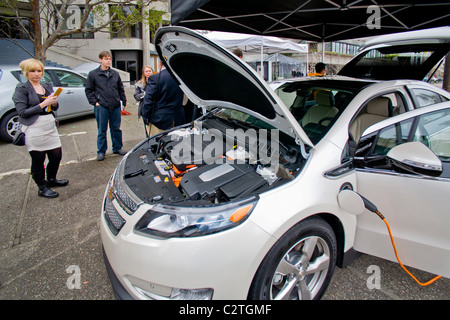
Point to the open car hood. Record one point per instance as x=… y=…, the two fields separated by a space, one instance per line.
x=405 y=55
x=211 y=76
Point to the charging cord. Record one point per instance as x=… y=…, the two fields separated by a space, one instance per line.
x=371 y=207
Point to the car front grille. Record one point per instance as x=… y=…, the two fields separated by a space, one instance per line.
x=112 y=217
x=125 y=201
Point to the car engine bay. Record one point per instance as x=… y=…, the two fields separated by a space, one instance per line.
x=203 y=164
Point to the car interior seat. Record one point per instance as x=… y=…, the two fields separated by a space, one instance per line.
x=377 y=110
x=323 y=109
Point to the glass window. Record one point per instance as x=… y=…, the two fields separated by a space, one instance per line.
x=72 y=20
x=427 y=97
x=432 y=129
x=395 y=62
x=47 y=78
x=69 y=79
x=20 y=77
x=316 y=105
x=392 y=136
x=122 y=29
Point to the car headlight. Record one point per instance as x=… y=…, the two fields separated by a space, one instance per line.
x=173 y=221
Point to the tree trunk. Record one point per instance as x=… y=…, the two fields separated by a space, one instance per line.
x=38 y=47
x=446 y=83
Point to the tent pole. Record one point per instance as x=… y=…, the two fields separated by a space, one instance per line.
x=323 y=51
x=307 y=61
x=262 y=57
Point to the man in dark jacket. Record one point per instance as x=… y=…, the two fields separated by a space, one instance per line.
x=104 y=90
x=163 y=102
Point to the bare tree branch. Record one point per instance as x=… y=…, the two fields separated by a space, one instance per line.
x=49 y=18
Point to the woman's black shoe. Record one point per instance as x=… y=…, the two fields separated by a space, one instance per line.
x=57 y=183
x=46 y=192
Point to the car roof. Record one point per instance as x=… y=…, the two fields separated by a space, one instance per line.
x=12 y=67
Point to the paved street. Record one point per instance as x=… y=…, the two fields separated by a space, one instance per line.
x=44 y=242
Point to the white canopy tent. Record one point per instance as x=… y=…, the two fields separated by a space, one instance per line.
x=257 y=43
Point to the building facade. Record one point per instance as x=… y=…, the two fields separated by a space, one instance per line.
x=131 y=47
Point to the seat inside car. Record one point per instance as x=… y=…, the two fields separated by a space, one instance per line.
x=323 y=109
x=376 y=110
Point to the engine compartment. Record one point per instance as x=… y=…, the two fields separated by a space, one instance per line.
x=211 y=161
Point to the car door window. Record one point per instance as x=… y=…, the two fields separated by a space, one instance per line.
x=392 y=136
x=68 y=79
x=427 y=97
x=432 y=129
x=45 y=79
x=375 y=110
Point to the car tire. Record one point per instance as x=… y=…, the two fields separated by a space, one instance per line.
x=9 y=125
x=300 y=264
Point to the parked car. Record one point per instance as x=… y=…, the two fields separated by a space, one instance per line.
x=261 y=200
x=72 y=101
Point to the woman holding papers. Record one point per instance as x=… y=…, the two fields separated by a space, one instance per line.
x=35 y=104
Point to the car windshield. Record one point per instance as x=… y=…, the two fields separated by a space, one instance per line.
x=242 y=118
x=316 y=105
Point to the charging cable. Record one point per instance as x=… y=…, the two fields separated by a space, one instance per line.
x=371 y=207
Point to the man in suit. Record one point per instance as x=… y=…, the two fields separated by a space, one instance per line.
x=163 y=102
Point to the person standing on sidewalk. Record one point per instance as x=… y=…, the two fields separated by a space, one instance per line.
x=36 y=105
x=163 y=102
x=105 y=91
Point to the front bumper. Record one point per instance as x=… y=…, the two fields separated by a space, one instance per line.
x=119 y=291
x=141 y=267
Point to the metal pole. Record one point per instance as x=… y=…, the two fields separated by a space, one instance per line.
x=262 y=57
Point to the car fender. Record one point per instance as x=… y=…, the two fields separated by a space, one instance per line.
x=311 y=193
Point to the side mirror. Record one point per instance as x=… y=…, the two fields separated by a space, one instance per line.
x=415 y=157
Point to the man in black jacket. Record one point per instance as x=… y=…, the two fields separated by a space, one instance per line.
x=104 y=90
x=163 y=102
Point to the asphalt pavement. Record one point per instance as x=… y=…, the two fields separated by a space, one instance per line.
x=50 y=249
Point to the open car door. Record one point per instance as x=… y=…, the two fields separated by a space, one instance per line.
x=403 y=168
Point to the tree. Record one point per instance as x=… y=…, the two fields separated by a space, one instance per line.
x=54 y=20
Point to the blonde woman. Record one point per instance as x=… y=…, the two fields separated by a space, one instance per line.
x=139 y=90
x=36 y=106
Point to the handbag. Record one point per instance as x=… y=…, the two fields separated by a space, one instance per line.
x=19 y=138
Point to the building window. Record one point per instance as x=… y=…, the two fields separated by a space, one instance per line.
x=125 y=30
x=10 y=28
x=72 y=20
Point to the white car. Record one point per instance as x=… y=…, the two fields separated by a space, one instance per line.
x=261 y=200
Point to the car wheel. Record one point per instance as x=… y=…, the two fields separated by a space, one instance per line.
x=9 y=126
x=300 y=264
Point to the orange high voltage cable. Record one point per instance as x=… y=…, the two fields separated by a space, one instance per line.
x=398 y=259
